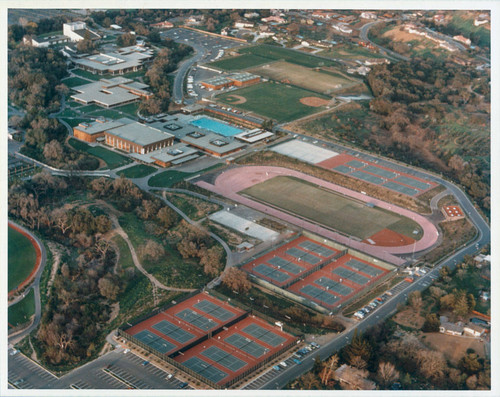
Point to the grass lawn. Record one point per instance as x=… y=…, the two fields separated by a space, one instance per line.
x=349 y=52
x=96 y=77
x=130 y=109
x=21 y=258
x=193 y=207
x=84 y=73
x=21 y=312
x=292 y=56
x=328 y=208
x=276 y=101
x=112 y=159
x=74 y=122
x=137 y=171
x=125 y=255
x=244 y=61
x=168 y=178
x=75 y=81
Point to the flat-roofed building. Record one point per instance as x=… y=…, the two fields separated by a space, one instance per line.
x=212 y=143
x=253 y=136
x=138 y=138
x=111 y=92
x=216 y=83
x=174 y=155
x=121 y=61
x=90 y=132
x=78 y=31
x=244 y=79
x=46 y=41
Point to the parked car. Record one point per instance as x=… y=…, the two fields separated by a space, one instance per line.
x=297 y=361
x=277 y=368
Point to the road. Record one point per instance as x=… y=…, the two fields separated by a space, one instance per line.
x=363 y=34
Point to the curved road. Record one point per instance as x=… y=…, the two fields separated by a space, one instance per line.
x=363 y=34
x=13 y=339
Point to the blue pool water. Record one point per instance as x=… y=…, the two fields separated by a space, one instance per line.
x=215 y=126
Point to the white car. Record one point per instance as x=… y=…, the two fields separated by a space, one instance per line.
x=126 y=351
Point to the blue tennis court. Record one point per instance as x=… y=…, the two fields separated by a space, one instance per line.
x=216 y=126
x=247 y=345
x=400 y=188
x=272 y=273
x=363 y=267
x=197 y=319
x=350 y=275
x=413 y=182
x=319 y=294
x=205 y=369
x=333 y=286
x=156 y=342
x=173 y=331
x=380 y=172
x=303 y=256
x=263 y=334
x=343 y=169
x=286 y=265
x=367 y=177
x=224 y=358
x=316 y=248
x=216 y=311
x=355 y=164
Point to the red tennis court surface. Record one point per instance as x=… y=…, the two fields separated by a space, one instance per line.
x=376 y=174
x=290 y=261
x=453 y=212
x=219 y=342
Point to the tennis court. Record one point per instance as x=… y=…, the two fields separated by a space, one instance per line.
x=272 y=273
x=318 y=294
x=363 y=267
x=413 y=182
x=316 y=248
x=380 y=172
x=304 y=256
x=334 y=286
x=205 y=369
x=286 y=265
x=173 y=331
x=343 y=169
x=367 y=177
x=154 y=341
x=197 y=319
x=214 y=310
x=247 y=345
x=350 y=275
x=355 y=164
x=263 y=335
x=400 y=188
x=227 y=360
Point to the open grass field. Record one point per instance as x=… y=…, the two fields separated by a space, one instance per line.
x=112 y=159
x=349 y=52
x=328 y=208
x=21 y=312
x=137 y=171
x=125 y=255
x=453 y=347
x=275 y=101
x=307 y=78
x=74 y=81
x=241 y=62
x=274 y=53
x=21 y=258
x=167 y=178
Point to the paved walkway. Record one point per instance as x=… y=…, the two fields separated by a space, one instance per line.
x=232 y=181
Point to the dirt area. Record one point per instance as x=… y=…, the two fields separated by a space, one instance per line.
x=55 y=249
x=453 y=347
x=238 y=99
x=115 y=310
x=408 y=318
x=401 y=35
x=230 y=236
x=389 y=238
x=314 y=101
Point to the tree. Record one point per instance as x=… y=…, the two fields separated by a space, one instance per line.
x=471 y=382
x=431 y=364
x=415 y=300
x=236 y=280
x=126 y=40
x=211 y=260
x=53 y=150
x=470 y=364
x=108 y=288
x=431 y=323
x=387 y=373
x=461 y=305
x=151 y=251
x=359 y=347
x=329 y=369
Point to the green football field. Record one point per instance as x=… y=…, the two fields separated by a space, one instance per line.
x=327 y=207
x=21 y=312
x=240 y=62
x=21 y=258
x=279 y=102
x=274 y=53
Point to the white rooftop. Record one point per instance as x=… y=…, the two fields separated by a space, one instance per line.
x=243 y=225
x=304 y=151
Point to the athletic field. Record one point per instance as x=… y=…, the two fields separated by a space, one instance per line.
x=274 y=53
x=21 y=258
x=240 y=62
x=328 y=208
x=279 y=102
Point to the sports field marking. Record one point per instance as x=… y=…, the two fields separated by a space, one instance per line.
x=380 y=172
x=334 y=286
x=290 y=267
x=247 y=345
x=303 y=256
x=274 y=274
x=263 y=334
x=197 y=319
x=400 y=188
x=316 y=248
x=367 y=177
x=214 y=310
x=343 y=169
x=318 y=294
x=350 y=275
x=227 y=360
x=205 y=369
x=355 y=164
x=413 y=182
x=173 y=331
x=154 y=341
x=363 y=267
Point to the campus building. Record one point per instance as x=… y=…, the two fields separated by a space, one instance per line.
x=45 y=41
x=236 y=79
x=137 y=138
x=121 y=61
x=78 y=31
x=94 y=131
x=112 y=92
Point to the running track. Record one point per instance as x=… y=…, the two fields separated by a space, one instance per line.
x=234 y=180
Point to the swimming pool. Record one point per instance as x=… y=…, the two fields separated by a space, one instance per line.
x=215 y=126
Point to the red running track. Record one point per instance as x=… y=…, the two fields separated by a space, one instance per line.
x=230 y=182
